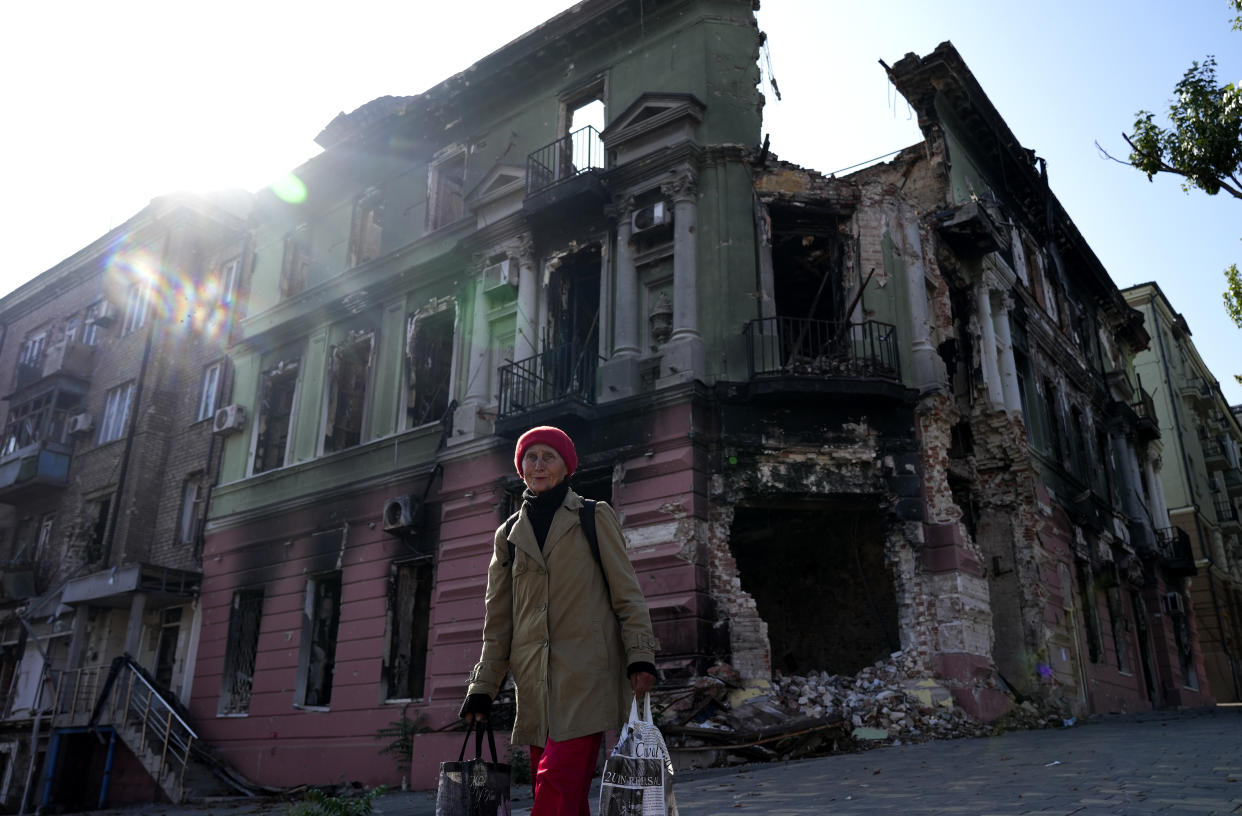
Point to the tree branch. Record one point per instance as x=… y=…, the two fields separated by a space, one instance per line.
x=1165 y=167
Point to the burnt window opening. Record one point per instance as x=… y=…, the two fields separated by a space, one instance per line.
x=1090 y=612
x=276 y=395
x=1052 y=422
x=1119 y=627
x=808 y=260
x=1101 y=472
x=446 y=189
x=573 y=307
x=95 y=528
x=817 y=574
x=1081 y=455
x=349 y=373
x=409 y=590
x=242 y=651
x=429 y=365
x=366 y=229
x=295 y=269
x=321 y=619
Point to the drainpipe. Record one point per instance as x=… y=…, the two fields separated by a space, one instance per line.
x=129 y=437
x=1181 y=447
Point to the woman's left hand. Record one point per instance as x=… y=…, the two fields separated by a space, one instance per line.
x=642 y=682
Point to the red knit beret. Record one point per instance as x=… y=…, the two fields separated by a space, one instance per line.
x=554 y=438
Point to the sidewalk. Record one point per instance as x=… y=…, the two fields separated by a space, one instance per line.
x=1163 y=762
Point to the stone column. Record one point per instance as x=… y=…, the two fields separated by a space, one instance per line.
x=1006 y=365
x=1156 y=505
x=683 y=356
x=618 y=375
x=525 y=341
x=928 y=373
x=468 y=421
x=987 y=345
x=133 y=628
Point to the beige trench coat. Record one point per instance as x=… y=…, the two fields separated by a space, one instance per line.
x=550 y=620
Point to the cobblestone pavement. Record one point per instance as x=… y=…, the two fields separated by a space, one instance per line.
x=1166 y=762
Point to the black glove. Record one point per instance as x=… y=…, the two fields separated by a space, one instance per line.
x=476 y=704
x=641 y=666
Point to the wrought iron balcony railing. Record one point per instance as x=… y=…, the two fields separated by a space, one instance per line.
x=793 y=346
x=1226 y=513
x=564 y=159
x=561 y=374
x=1175 y=548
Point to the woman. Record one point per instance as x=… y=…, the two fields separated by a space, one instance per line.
x=576 y=633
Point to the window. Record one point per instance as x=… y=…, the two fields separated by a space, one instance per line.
x=1052 y=418
x=207 y=393
x=228 y=280
x=276 y=395
x=446 y=186
x=366 y=229
x=321 y=618
x=44 y=538
x=92 y=321
x=28 y=422
x=191 y=509
x=410 y=605
x=429 y=362
x=95 y=527
x=348 y=374
x=243 y=648
x=295 y=272
x=166 y=646
x=116 y=413
x=137 y=305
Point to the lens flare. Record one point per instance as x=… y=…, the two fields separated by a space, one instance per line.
x=289 y=189
x=186 y=300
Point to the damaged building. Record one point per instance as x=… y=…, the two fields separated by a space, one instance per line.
x=1202 y=479
x=840 y=417
x=113 y=365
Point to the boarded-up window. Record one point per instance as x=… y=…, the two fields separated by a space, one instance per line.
x=348 y=374
x=410 y=594
x=429 y=364
x=276 y=393
x=322 y=616
x=243 y=647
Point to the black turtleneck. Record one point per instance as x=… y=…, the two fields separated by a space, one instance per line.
x=541 y=508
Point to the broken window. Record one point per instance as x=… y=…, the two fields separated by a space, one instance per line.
x=137 y=307
x=243 y=647
x=192 y=495
x=295 y=270
x=44 y=537
x=349 y=371
x=27 y=423
x=429 y=365
x=410 y=604
x=446 y=188
x=276 y=396
x=322 y=616
x=207 y=392
x=116 y=413
x=94 y=529
x=787 y=555
x=366 y=229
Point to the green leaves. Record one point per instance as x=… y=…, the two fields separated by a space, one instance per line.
x=1203 y=142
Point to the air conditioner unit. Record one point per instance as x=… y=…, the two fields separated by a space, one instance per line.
x=229 y=419
x=500 y=275
x=401 y=514
x=106 y=315
x=81 y=423
x=1175 y=604
x=650 y=217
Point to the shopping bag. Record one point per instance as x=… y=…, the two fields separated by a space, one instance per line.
x=474 y=787
x=638 y=776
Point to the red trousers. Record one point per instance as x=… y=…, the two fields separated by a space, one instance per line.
x=562 y=772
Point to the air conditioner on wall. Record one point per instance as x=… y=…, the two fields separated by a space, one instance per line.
x=1175 y=604
x=500 y=275
x=229 y=419
x=401 y=514
x=81 y=423
x=650 y=217
x=106 y=314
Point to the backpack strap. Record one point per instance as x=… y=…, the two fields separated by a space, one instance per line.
x=586 y=517
x=509 y=524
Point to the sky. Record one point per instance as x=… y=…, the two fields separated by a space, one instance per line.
x=108 y=105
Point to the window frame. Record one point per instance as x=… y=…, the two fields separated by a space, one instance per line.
x=248 y=600
x=207 y=407
x=137 y=308
x=317 y=591
x=439 y=213
x=116 y=415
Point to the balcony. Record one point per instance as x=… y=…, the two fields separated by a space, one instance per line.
x=555 y=386
x=566 y=177
x=822 y=355
x=31 y=471
x=1148 y=424
x=1213 y=452
x=1174 y=546
x=73 y=361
